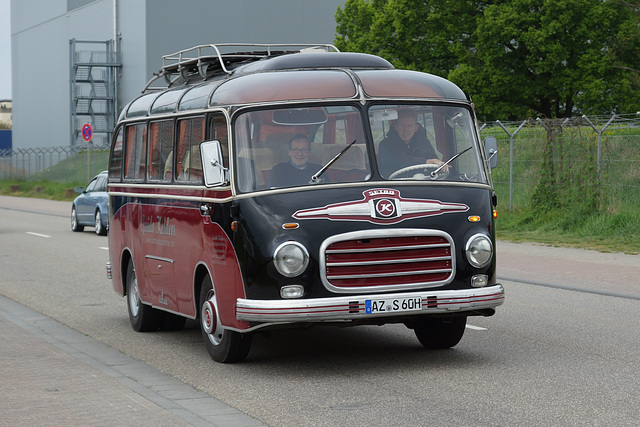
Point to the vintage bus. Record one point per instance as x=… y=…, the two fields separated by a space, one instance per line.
x=273 y=186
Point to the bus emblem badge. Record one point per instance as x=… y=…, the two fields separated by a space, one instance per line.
x=385 y=208
x=389 y=209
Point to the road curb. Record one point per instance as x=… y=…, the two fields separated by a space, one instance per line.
x=125 y=388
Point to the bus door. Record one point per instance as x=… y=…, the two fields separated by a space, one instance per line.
x=218 y=248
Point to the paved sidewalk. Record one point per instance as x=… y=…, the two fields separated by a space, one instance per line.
x=53 y=375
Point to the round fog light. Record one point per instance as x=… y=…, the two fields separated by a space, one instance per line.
x=291 y=291
x=479 y=281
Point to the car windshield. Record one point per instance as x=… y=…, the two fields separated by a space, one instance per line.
x=289 y=147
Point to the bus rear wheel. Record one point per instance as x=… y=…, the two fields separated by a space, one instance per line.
x=143 y=318
x=440 y=332
x=223 y=345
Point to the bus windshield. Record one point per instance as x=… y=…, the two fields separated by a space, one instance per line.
x=289 y=147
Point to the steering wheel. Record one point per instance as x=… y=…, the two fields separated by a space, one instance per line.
x=427 y=167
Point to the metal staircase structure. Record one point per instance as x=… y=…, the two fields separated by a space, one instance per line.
x=94 y=68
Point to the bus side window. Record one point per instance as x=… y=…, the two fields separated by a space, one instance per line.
x=115 y=165
x=160 y=145
x=218 y=131
x=136 y=152
x=190 y=135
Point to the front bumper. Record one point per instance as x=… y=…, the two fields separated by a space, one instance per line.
x=353 y=307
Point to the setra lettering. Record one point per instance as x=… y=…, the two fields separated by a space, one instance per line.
x=381 y=193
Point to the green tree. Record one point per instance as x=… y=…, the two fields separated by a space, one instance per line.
x=626 y=51
x=515 y=58
x=423 y=35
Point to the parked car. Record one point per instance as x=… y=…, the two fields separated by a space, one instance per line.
x=90 y=207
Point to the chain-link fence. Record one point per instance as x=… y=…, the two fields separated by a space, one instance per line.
x=59 y=164
x=581 y=163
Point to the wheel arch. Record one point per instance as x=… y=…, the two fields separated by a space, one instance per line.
x=125 y=259
x=199 y=274
x=104 y=215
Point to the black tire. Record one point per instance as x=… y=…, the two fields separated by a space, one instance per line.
x=101 y=230
x=223 y=345
x=143 y=318
x=440 y=332
x=75 y=226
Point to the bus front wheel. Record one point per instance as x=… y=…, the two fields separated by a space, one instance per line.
x=223 y=345
x=440 y=332
x=143 y=318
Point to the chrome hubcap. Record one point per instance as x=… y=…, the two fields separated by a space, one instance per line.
x=134 y=299
x=208 y=317
x=209 y=320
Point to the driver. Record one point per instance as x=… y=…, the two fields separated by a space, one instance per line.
x=406 y=144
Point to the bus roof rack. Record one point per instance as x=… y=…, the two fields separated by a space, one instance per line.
x=204 y=59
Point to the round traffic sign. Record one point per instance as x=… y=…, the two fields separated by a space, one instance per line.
x=87 y=132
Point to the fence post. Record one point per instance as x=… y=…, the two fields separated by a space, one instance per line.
x=599 y=132
x=553 y=133
x=511 y=135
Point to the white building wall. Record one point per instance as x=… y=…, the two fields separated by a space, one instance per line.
x=148 y=29
x=40 y=34
x=132 y=25
x=237 y=21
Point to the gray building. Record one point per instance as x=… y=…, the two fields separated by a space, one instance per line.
x=81 y=61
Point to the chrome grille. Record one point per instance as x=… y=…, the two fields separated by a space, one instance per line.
x=380 y=260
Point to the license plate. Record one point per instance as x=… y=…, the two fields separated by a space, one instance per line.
x=392 y=305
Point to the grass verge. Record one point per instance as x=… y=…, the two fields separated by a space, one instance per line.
x=604 y=232
x=41 y=189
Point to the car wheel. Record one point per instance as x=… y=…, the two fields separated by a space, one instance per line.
x=75 y=226
x=101 y=230
x=440 y=332
x=223 y=345
x=143 y=318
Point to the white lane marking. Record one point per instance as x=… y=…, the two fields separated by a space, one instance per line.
x=37 y=234
x=476 y=328
x=103 y=247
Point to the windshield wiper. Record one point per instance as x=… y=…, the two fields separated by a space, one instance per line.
x=315 y=179
x=435 y=172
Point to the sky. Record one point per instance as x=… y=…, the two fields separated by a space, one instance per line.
x=5 y=50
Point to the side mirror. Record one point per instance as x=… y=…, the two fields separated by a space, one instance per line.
x=215 y=173
x=78 y=190
x=491 y=151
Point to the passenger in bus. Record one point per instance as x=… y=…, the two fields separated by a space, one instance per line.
x=168 y=167
x=406 y=144
x=192 y=165
x=298 y=170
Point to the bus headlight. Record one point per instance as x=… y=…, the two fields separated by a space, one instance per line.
x=479 y=250
x=291 y=259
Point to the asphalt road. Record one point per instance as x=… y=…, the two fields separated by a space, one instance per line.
x=564 y=349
